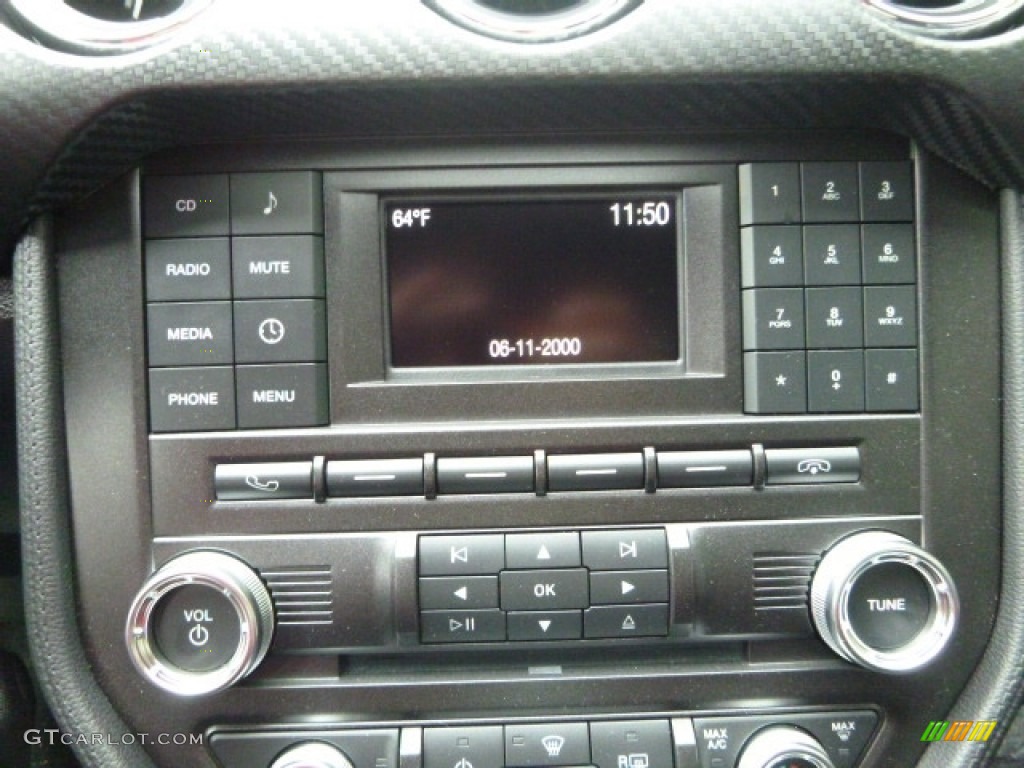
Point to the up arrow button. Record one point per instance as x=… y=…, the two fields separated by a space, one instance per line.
x=560 y=549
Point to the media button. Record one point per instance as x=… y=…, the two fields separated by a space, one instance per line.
x=197 y=333
x=486 y=626
x=536 y=745
x=467 y=555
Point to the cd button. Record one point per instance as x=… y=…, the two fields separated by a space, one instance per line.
x=472 y=554
x=631 y=549
x=544 y=590
x=545 y=625
x=704 y=469
x=532 y=746
x=542 y=550
x=596 y=472
x=499 y=474
x=185 y=206
x=375 y=477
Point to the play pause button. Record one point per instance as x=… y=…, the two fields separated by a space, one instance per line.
x=462 y=626
x=545 y=625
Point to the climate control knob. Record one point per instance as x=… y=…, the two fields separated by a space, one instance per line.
x=312 y=754
x=783 y=746
x=882 y=602
x=200 y=624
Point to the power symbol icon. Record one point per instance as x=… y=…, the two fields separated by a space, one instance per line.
x=199 y=635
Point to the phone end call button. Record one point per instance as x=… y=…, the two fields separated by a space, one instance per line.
x=806 y=466
x=264 y=482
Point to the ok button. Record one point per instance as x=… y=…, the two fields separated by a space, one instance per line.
x=544 y=590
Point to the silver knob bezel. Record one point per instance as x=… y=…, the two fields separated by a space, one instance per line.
x=835 y=578
x=782 y=742
x=312 y=754
x=586 y=17
x=242 y=588
x=67 y=29
x=966 y=14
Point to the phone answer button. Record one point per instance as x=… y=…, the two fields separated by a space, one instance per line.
x=264 y=482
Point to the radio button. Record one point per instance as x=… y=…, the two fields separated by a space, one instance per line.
x=772 y=256
x=458 y=592
x=886 y=191
x=277 y=203
x=805 y=466
x=281 y=395
x=891 y=379
x=375 y=477
x=775 y=382
x=596 y=472
x=191 y=399
x=542 y=550
x=704 y=469
x=469 y=555
x=197 y=269
x=630 y=549
x=544 y=590
x=890 y=316
x=831 y=192
x=835 y=318
x=196 y=333
x=283 y=331
x=185 y=206
x=545 y=625
x=835 y=381
x=632 y=744
x=888 y=253
x=498 y=474
x=462 y=626
x=832 y=255
x=769 y=193
x=773 y=318
x=264 y=482
x=463 y=746
x=616 y=621
x=278 y=267
x=628 y=587
x=533 y=746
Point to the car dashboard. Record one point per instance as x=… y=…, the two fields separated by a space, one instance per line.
x=496 y=384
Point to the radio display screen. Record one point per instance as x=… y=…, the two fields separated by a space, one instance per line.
x=549 y=281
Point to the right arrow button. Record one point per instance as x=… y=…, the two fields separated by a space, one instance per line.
x=628 y=587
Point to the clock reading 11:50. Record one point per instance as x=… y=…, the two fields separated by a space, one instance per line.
x=648 y=213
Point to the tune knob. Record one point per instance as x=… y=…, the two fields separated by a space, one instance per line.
x=883 y=602
x=312 y=754
x=783 y=746
x=200 y=624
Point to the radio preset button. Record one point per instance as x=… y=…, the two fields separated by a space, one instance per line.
x=195 y=269
x=704 y=469
x=463 y=746
x=891 y=379
x=621 y=621
x=486 y=626
x=281 y=331
x=467 y=555
x=886 y=191
x=282 y=267
x=831 y=192
x=281 y=395
x=773 y=318
x=832 y=254
x=888 y=253
x=772 y=256
x=628 y=587
x=264 y=482
x=537 y=745
x=835 y=318
x=185 y=206
x=804 y=466
x=775 y=382
x=769 y=193
x=890 y=316
x=629 y=549
x=542 y=550
x=528 y=626
x=194 y=333
x=596 y=472
x=458 y=592
x=544 y=590
x=835 y=381
x=191 y=399
x=375 y=477
x=278 y=203
x=492 y=474
x=632 y=744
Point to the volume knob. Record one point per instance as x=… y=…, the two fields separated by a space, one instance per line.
x=201 y=623
x=882 y=602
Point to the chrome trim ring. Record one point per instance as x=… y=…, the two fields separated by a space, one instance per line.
x=769 y=747
x=312 y=754
x=968 y=13
x=65 y=28
x=586 y=16
x=247 y=595
x=835 y=578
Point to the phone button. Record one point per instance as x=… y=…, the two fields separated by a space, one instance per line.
x=264 y=482
x=809 y=466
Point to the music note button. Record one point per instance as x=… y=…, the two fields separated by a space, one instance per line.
x=278 y=203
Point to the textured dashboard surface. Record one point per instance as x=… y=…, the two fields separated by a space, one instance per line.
x=394 y=68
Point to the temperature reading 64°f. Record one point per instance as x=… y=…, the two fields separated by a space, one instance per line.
x=410 y=217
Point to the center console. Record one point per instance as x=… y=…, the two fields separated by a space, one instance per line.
x=627 y=454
